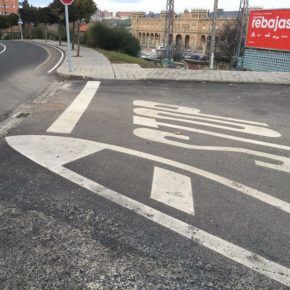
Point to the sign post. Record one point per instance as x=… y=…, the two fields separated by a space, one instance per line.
x=66 y=3
x=20 y=22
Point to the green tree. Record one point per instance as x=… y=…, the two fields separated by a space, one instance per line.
x=12 y=19
x=45 y=16
x=57 y=13
x=3 y=22
x=81 y=11
x=117 y=39
x=7 y=21
x=28 y=15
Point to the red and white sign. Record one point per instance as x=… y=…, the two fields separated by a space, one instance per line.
x=66 y=2
x=269 y=29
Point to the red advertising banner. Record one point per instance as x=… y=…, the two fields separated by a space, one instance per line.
x=269 y=29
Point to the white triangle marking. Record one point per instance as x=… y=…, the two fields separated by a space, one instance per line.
x=53 y=152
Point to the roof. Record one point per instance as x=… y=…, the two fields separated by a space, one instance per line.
x=225 y=14
x=84 y=27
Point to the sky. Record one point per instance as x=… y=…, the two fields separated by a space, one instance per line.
x=180 y=5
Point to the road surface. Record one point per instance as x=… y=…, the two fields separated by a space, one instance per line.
x=24 y=71
x=146 y=185
x=94 y=198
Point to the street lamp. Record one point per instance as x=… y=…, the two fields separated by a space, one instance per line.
x=213 y=30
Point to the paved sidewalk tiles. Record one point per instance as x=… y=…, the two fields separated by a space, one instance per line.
x=94 y=65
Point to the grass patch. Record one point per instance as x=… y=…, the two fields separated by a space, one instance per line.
x=116 y=57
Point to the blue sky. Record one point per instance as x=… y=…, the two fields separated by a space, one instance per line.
x=180 y=5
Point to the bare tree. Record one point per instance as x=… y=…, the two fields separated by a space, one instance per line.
x=226 y=40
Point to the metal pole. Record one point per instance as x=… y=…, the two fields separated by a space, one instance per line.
x=213 y=30
x=20 y=27
x=68 y=38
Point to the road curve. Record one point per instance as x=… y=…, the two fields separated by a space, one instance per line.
x=3 y=48
x=23 y=72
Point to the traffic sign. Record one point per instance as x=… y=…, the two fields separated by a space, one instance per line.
x=66 y=2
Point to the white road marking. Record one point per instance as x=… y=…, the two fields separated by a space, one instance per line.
x=8 y=124
x=4 y=48
x=189 y=111
x=232 y=126
x=149 y=122
x=70 y=117
x=56 y=48
x=60 y=60
x=54 y=152
x=166 y=138
x=172 y=189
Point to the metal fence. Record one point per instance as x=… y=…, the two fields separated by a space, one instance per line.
x=266 y=60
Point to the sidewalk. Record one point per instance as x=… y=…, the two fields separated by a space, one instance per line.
x=93 y=65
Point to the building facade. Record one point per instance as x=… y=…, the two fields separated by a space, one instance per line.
x=8 y=7
x=192 y=29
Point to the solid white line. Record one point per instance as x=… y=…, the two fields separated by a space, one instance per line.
x=231 y=251
x=54 y=152
x=69 y=118
x=4 y=48
x=60 y=60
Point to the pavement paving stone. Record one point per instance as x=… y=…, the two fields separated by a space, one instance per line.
x=94 y=65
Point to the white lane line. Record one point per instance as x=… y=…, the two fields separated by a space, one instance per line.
x=53 y=152
x=4 y=48
x=69 y=118
x=60 y=60
x=172 y=189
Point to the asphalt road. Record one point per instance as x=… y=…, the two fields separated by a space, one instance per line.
x=23 y=72
x=188 y=197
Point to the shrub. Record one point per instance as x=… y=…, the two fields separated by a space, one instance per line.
x=117 y=39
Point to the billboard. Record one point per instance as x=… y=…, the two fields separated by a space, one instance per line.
x=269 y=29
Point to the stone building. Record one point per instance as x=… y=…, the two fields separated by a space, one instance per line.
x=192 y=29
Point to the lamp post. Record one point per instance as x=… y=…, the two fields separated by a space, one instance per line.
x=213 y=30
x=20 y=22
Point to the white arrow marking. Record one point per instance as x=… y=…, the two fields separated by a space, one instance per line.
x=70 y=117
x=47 y=151
x=172 y=189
